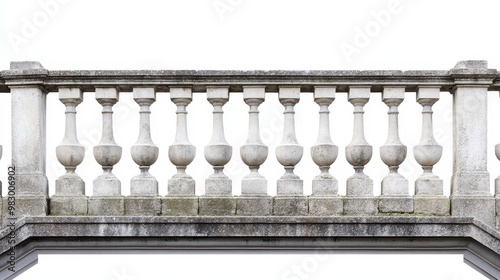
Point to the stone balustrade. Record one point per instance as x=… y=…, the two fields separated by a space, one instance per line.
x=29 y=83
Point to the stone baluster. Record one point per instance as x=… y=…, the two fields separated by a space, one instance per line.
x=218 y=199
x=429 y=198
x=324 y=199
x=359 y=199
x=107 y=199
x=290 y=198
x=144 y=199
x=70 y=198
x=254 y=199
x=181 y=199
x=470 y=183
x=395 y=191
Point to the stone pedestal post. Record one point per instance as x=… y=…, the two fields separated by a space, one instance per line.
x=470 y=185
x=25 y=80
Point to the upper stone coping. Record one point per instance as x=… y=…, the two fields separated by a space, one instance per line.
x=32 y=72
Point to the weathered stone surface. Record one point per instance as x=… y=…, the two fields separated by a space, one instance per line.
x=290 y=206
x=217 y=206
x=179 y=206
x=28 y=206
x=362 y=206
x=106 y=206
x=254 y=205
x=395 y=204
x=477 y=207
x=68 y=205
x=142 y=206
x=431 y=205
x=325 y=206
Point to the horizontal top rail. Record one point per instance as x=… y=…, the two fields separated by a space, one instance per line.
x=124 y=80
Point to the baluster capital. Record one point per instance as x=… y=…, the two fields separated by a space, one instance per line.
x=181 y=95
x=359 y=95
x=106 y=96
x=324 y=95
x=144 y=95
x=289 y=95
x=393 y=96
x=217 y=95
x=428 y=95
x=254 y=95
x=70 y=95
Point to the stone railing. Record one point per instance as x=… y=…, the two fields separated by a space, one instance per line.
x=29 y=83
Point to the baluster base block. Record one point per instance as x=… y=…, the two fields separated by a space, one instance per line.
x=325 y=206
x=143 y=186
x=217 y=185
x=395 y=185
x=429 y=185
x=254 y=206
x=359 y=185
x=291 y=187
x=181 y=186
x=217 y=206
x=479 y=207
x=290 y=206
x=395 y=204
x=68 y=185
x=254 y=185
x=142 y=206
x=68 y=205
x=107 y=185
x=362 y=206
x=179 y=206
x=106 y=206
x=325 y=186
x=431 y=205
x=27 y=205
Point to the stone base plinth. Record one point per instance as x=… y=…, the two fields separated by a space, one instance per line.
x=70 y=185
x=107 y=185
x=479 y=207
x=26 y=206
x=290 y=186
x=254 y=206
x=142 y=206
x=106 y=206
x=142 y=185
x=431 y=205
x=324 y=186
x=181 y=186
x=395 y=204
x=290 y=206
x=68 y=205
x=363 y=206
x=218 y=185
x=325 y=206
x=179 y=206
x=217 y=205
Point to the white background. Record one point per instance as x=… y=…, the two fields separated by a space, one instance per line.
x=248 y=35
